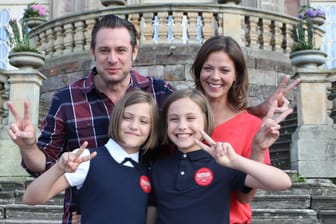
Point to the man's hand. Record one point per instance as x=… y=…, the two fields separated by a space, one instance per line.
x=22 y=131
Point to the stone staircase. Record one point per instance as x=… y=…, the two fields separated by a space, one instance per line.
x=310 y=202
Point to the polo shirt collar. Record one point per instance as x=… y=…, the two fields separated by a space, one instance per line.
x=118 y=153
x=194 y=155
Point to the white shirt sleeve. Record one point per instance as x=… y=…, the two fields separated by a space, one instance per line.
x=78 y=177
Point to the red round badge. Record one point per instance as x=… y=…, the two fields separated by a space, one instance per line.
x=145 y=184
x=203 y=176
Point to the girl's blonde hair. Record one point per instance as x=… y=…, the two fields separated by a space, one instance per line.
x=131 y=98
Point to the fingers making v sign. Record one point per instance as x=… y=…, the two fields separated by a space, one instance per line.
x=222 y=152
x=70 y=161
x=270 y=129
x=22 y=131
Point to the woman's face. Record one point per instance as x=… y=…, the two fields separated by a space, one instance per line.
x=217 y=75
x=184 y=121
x=135 y=126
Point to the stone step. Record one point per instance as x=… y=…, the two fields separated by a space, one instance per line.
x=36 y=212
x=327 y=216
x=281 y=201
x=284 y=216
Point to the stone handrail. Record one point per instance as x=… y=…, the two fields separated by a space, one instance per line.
x=174 y=24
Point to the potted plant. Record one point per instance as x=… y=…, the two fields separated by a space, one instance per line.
x=304 y=53
x=22 y=54
x=315 y=16
x=35 y=14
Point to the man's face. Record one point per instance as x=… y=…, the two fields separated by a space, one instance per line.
x=113 y=54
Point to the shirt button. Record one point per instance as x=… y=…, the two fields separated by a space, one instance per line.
x=182 y=173
x=184 y=155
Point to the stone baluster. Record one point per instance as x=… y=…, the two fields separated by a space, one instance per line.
x=146 y=37
x=135 y=20
x=254 y=32
x=208 y=27
x=89 y=26
x=79 y=36
x=192 y=27
x=177 y=27
x=266 y=27
x=44 y=43
x=58 y=44
x=287 y=34
x=163 y=27
x=50 y=37
x=68 y=38
x=278 y=36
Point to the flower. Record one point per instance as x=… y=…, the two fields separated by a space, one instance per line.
x=35 y=10
x=19 y=36
x=310 y=12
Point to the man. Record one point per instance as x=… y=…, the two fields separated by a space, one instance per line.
x=81 y=111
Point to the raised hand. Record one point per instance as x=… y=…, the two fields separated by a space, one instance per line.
x=222 y=152
x=69 y=161
x=279 y=95
x=270 y=129
x=22 y=131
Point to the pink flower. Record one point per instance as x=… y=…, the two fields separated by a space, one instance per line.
x=42 y=11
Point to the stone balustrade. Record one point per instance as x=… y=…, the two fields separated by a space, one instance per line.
x=174 y=24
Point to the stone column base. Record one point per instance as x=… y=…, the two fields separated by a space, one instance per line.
x=313 y=151
x=10 y=157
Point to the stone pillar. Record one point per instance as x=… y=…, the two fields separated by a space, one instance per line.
x=24 y=85
x=313 y=149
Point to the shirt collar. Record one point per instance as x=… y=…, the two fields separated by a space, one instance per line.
x=118 y=153
x=194 y=155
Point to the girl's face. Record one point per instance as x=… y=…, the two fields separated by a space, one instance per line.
x=217 y=75
x=184 y=120
x=135 y=126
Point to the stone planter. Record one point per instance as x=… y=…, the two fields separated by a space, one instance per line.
x=26 y=60
x=317 y=21
x=34 y=21
x=112 y=2
x=308 y=58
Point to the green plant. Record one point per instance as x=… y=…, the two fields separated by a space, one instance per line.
x=303 y=38
x=19 y=37
x=299 y=178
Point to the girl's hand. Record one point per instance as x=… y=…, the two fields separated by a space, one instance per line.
x=69 y=161
x=222 y=152
x=269 y=131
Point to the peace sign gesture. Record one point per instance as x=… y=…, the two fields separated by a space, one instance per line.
x=22 y=131
x=222 y=152
x=270 y=129
x=70 y=161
